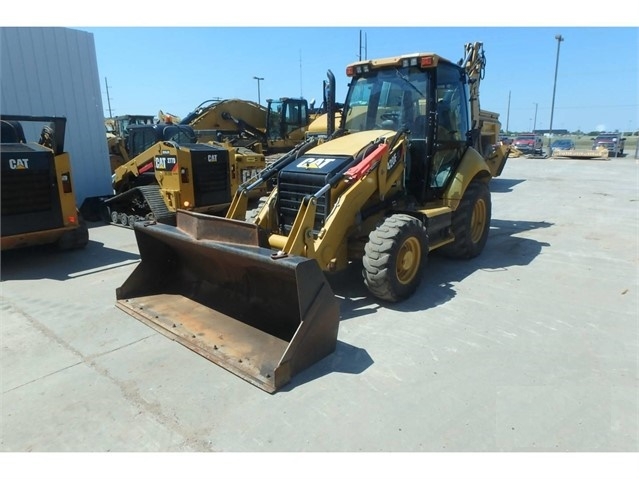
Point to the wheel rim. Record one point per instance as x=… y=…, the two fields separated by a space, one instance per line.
x=124 y=219
x=478 y=221
x=114 y=216
x=408 y=260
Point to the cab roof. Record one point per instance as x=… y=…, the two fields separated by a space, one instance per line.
x=397 y=60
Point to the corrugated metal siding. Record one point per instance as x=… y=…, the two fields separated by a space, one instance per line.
x=54 y=71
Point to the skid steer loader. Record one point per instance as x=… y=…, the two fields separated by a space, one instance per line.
x=168 y=169
x=38 y=197
x=406 y=173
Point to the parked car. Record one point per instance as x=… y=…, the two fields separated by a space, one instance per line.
x=529 y=143
x=563 y=144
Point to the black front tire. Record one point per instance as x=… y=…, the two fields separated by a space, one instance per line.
x=394 y=257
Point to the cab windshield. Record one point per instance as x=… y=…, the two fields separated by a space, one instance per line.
x=386 y=99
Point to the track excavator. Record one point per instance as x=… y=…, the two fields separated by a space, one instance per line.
x=169 y=169
x=277 y=128
x=404 y=174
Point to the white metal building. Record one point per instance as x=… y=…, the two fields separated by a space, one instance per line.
x=53 y=71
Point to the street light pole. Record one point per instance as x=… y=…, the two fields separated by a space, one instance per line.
x=508 y=114
x=259 y=79
x=559 y=39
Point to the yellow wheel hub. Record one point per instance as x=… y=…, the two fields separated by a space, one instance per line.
x=408 y=260
x=478 y=221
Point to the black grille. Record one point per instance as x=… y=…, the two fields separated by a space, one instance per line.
x=211 y=181
x=307 y=176
x=292 y=188
x=25 y=192
x=30 y=200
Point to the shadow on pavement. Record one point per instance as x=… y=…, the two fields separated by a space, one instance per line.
x=504 y=249
x=503 y=185
x=346 y=359
x=46 y=261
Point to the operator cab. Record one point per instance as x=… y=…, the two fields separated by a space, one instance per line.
x=286 y=118
x=142 y=137
x=424 y=96
x=11 y=132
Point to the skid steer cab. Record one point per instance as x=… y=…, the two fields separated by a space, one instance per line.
x=404 y=174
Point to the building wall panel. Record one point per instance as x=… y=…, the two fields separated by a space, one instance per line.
x=54 y=71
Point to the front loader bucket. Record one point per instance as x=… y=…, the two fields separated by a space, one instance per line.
x=207 y=284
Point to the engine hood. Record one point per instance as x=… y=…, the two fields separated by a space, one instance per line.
x=350 y=144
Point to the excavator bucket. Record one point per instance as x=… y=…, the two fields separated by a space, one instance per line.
x=208 y=284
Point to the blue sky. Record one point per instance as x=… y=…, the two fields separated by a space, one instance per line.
x=174 y=69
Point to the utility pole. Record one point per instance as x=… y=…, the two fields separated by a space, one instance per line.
x=301 y=94
x=559 y=39
x=259 y=99
x=508 y=114
x=535 y=122
x=108 y=98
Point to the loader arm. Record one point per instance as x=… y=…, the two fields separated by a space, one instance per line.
x=378 y=174
x=237 y=209
x=142 y=163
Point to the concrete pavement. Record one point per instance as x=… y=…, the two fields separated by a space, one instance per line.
x=530 y=347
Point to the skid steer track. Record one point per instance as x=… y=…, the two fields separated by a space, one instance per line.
x=138 y=204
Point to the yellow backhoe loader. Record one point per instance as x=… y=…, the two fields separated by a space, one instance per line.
x=406 y=173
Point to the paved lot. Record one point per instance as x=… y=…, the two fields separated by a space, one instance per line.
x=533 y=346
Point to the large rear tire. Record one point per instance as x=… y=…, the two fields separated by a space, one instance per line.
x=470 y=223
x=394 y=256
